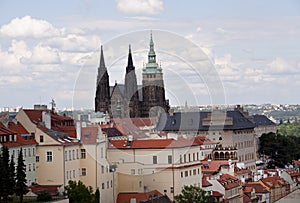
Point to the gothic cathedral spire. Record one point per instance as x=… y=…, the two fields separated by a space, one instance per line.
x=131 y=89
x=102 y=99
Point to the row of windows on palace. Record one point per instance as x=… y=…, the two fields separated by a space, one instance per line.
x=182 y=159
x=72 y=156
x=71 y=174
x=27 y=152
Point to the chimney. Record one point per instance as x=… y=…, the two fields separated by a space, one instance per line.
x=46 y=118
x=171 y=112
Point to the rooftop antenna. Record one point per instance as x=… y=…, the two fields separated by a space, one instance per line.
x=53 y=105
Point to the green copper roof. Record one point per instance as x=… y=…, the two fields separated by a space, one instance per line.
x=151 y=66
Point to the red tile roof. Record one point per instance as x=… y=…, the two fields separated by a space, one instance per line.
x=247 y=189
x=18 y=130
x=157 y=143
x=213 y=165
x=89 y=134
x=17 y=127
x=58 y=122
x=258 y=186
x=228 y=181
x=217 y=194
x=240 y=171
x=296 y=162
x=125 y=197
x=205 y=182
x=246 y=198
x=52 y=189
x=274 y=181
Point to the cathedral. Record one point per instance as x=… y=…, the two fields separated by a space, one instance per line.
x=130 y=99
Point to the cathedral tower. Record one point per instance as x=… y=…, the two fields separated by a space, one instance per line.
x=102 y=99
x=153 y=86
x=131 y=89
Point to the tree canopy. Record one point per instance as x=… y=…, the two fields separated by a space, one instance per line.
x=282 y=149
x=193 y=194
x=78 y=192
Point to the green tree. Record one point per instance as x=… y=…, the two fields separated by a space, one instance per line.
x=97 y=196
x=5 y=190
x=44 y=196
x=12 y=176
x=1 y=177
x=78 y=192
x=21 y=187
x=193 y=194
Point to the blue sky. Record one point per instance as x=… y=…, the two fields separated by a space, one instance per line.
x=253 y=45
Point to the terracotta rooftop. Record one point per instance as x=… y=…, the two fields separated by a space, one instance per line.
x=240 y=171
x=52 y=189
x=296 y=162
x=228 y=181
x=274 y=181
x=247 y=189
x=58 y=122
x=205 y=182
x=125 y=197
x=21 y=135
x=213 y=165
x=258 y=186
x=157 y=143
x=217 y=194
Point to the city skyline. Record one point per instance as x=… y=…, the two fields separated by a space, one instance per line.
x=253 y=46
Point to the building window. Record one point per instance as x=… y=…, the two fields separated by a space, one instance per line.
x=102 y=169
x=103 y=185
x=169 y=159
x=37 y=158
x=29 y=152
x=186 y=173
x=154 y=159
x=33 y=152
x=140 y=184
x=83 y=171
x=73 y=173
x=107 y=184
x=73 y=154
x=140 y=171
x=197 y=156
x=101 y=152
x=111 y=183
x=49 y=157
x=132 y=171
x=29 y=167
x=180 y=158
x=24 y=152
x=77 y=156
x=33 y=166
x=83 y=155
x=70 y=158
x=41 y=138
x=66 y=155
x=181 y=174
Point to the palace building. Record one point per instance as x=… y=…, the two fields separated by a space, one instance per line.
x=130 y=99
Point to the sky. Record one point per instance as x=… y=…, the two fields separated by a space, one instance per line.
x=50 y=49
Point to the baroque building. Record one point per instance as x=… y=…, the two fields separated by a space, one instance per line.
x=129 y=99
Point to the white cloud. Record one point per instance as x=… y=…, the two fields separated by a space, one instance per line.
x=42 y=55
x=281 y=66
x=75 y=42
x=148 y=7
x=29 y=27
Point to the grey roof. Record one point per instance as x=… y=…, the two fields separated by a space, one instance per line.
x=262 y=120
x=192 y=121
x=121 y=87
x=122 y=90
